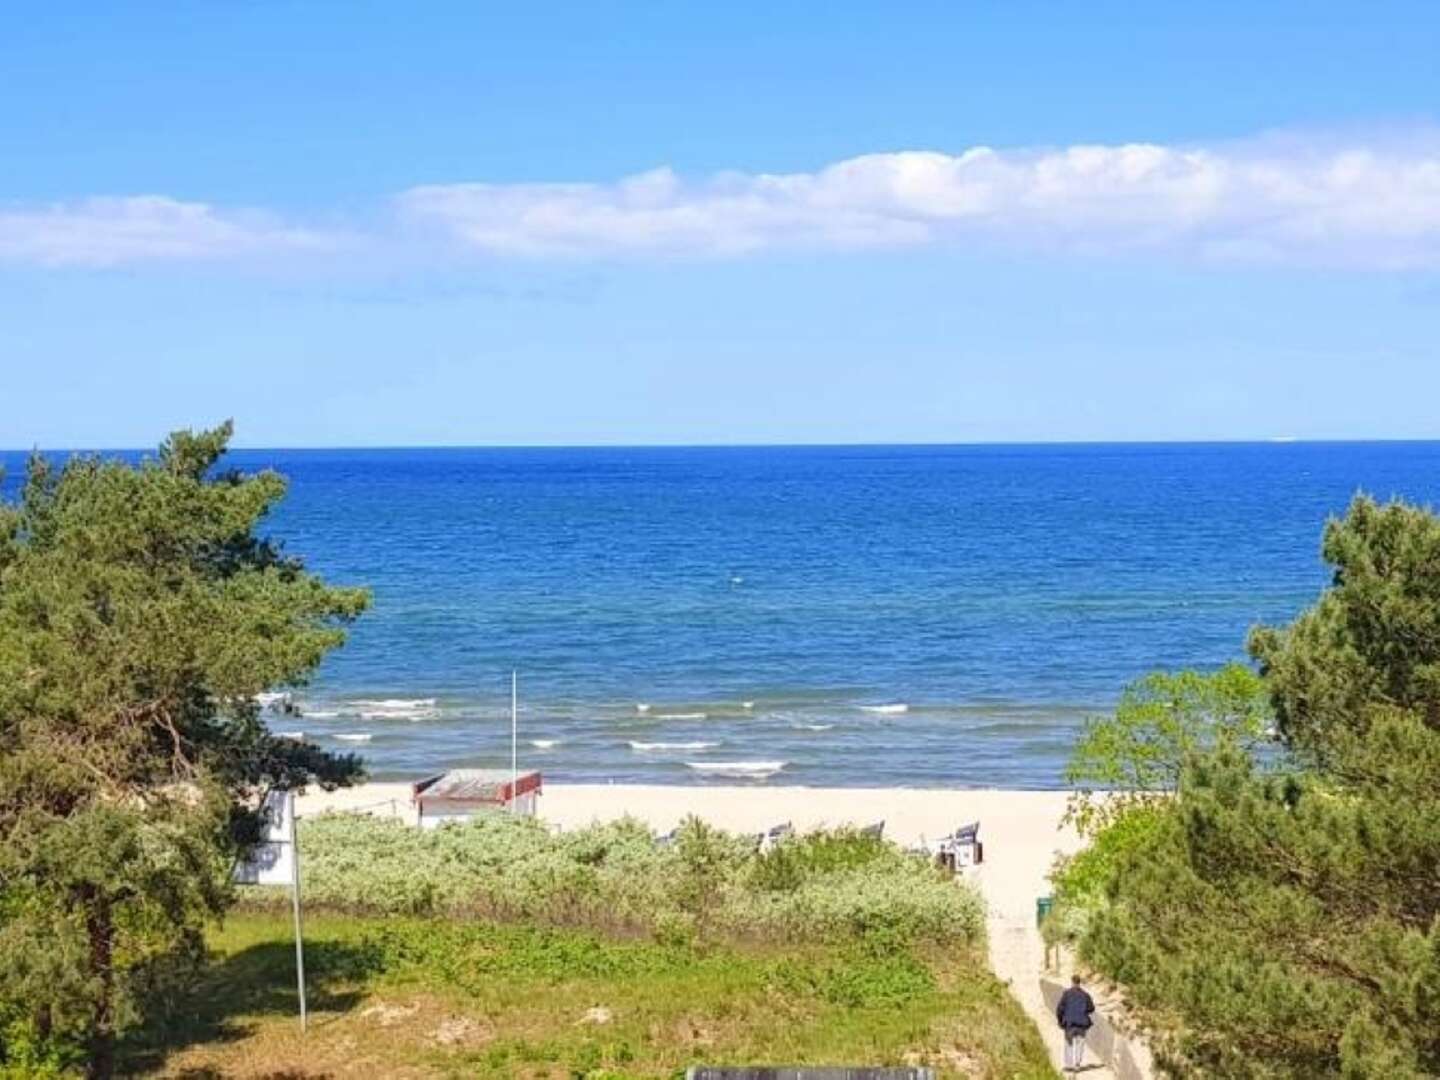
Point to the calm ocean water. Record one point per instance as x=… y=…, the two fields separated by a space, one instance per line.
x=865 y=616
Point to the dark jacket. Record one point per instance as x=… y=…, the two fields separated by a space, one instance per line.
x=1075 y=1008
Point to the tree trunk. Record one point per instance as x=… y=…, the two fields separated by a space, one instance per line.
x=99 y=923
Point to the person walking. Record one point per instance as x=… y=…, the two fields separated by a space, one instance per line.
x=1074 y=1013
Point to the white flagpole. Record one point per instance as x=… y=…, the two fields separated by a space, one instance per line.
x=514 y=740
x=295 y=896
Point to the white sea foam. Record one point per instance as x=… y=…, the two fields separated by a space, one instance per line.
x=394 y=708
x=290 y=735
x=661 y=747
x=395 y=714
x=886 y=710
x=681 y=716
x=271 y=698
x=749 y=769
x=353 y=736
x=320 y=714
x=642 y=707
x=544 y=744
x=747 y=705
x=812 y=727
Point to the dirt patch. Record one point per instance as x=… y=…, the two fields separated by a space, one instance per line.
x=461 y=1031
x=389 y=1015
x=598 y=1016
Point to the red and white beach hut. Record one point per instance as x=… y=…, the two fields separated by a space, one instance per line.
x=460 y=793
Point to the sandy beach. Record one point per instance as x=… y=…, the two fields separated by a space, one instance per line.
x=1013 y=823
x=1020 y=830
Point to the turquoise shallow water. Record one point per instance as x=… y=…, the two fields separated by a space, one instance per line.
x=878 y=615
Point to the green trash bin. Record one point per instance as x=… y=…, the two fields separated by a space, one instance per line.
x=1043 y=904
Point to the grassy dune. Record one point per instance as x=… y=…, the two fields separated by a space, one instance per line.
x=399 y=997
x=502 y=949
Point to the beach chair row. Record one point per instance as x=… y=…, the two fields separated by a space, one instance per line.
x=778 y=834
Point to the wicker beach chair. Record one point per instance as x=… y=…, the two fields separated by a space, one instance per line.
x=963 y=847
x=776 y=835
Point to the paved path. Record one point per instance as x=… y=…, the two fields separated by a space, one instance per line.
x=1019 y=851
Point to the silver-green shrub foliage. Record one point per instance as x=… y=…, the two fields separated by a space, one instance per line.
x=823 y=887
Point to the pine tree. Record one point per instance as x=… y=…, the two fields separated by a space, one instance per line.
x=140 y=615
x=1283 y=917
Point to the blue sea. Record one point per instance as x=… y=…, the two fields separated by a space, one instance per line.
x=920 y=616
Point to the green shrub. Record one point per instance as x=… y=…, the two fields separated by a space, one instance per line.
x=473 y=954
x=854 y=979
x=788 y=864
x=906 y=898
x=821 y=887
x=1084 y=881
x=26 y=1053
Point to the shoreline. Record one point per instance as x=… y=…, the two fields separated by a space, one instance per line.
x=698 y=781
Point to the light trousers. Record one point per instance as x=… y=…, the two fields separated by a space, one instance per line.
x=1074 y=1049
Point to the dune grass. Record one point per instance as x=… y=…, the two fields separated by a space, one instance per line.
x=441 y=997
x=825 y=886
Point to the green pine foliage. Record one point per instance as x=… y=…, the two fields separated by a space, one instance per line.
x=1278 y=915
x=140 y=614
x=1373 y=638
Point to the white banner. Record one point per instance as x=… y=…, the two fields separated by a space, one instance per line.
x=272 y=862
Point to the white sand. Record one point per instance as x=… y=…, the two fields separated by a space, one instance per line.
x=1020 y=831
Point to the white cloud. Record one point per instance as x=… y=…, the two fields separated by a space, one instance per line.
x=1359 y=202
x=1290 y=201
x=108 y=231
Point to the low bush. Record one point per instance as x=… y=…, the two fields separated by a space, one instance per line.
x=1083 y=881
x=788 y=865
x=823 y=887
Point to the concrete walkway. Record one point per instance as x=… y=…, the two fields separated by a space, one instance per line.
x=1019 y=852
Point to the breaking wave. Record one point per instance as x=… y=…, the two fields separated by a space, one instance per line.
x=660 y=747
x=393 y=708
x=747 y=769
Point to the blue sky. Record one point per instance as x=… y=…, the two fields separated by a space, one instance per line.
x=466 y=224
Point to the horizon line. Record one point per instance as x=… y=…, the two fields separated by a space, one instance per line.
x=1273 y=440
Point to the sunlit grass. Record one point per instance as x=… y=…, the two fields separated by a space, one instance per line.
x=428 y=997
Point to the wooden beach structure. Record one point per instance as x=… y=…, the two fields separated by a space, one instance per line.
x=459 y=794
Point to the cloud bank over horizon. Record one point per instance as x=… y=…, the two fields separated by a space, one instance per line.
x=1307 y=201
x=1289 y=203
